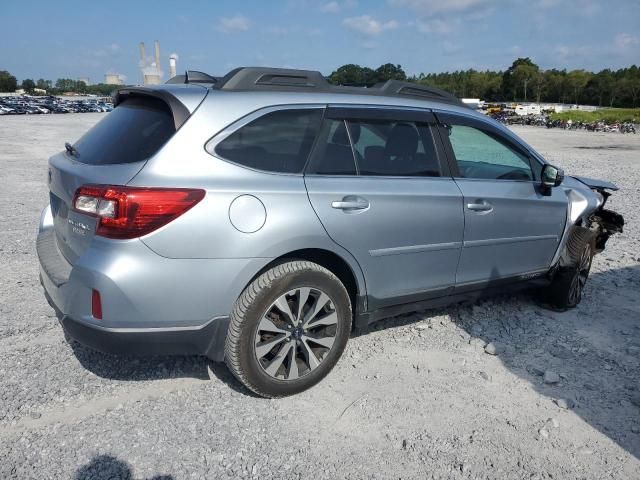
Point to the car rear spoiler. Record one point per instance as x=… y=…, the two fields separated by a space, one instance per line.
x=180 y=112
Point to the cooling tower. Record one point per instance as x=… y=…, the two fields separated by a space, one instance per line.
x=173 y=58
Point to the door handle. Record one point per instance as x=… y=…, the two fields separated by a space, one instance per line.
x=351 y=203
x=480 y=206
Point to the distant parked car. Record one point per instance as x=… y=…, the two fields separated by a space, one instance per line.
x=49 y=104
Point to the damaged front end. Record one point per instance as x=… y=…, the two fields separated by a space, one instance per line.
x=602 y=222
x=587 y=198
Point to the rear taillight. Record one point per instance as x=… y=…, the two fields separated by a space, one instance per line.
x=131 y=212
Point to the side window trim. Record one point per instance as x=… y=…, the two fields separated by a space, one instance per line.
x=445 y=151
x=211 y=144
x=347 y=126
x=317 y=151
x=377 y=112
x=446 y=118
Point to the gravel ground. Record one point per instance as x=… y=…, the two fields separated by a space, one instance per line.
x=558 y=396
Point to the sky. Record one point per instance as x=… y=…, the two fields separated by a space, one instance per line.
x=74 y=39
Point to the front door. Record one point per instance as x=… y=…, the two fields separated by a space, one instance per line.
x=377 y=182
x=511 y=227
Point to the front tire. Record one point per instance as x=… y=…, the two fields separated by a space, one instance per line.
x=568 y=284
x=288 y=329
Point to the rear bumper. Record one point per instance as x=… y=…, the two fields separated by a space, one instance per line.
x=207 y=340
x=151 y=304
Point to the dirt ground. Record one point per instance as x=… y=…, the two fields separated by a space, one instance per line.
x=416 y=397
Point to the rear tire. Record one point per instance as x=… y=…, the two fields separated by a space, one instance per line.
x=288 y=329
x=569 y=281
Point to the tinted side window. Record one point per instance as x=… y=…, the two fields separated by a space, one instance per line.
x=394 y=148
x=333 y=154
x=279 y=141
x=134 y=131
x=482 y=155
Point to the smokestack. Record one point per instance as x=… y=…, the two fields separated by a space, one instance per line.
x=172 y=65
x=142 y=53
x=157 y=54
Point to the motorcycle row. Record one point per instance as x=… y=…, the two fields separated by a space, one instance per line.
x=545 y=121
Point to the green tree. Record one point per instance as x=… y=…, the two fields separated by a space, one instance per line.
x=492 y=86
x=28 y=85
x=352 y=74
x=523 y=80
x=389 y=71
x=538 y=85
x=8 y=83
x=43 y=84
x=577 y=80
x=518 y=76
x=101 y=89
x=630 y=85
x=600 y=86
x=64 y=84
x=524 y=75
x=555 y=85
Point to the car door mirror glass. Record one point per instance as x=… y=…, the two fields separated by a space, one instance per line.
x=552 y=176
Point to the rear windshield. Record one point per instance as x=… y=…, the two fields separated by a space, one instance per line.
x=133 y=131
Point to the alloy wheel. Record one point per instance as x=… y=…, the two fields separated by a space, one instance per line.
x=296 y=333
x=580 y=278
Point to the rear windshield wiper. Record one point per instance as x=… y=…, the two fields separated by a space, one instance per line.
x=71 y=149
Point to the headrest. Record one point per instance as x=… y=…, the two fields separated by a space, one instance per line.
x=402 y=141
x=340 y=135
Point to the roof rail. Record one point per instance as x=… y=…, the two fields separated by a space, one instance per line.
x=262 y=78
x=193 y=76
x=397 y=87
x=286 y=79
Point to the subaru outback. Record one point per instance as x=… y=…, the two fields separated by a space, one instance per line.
x=261 y=217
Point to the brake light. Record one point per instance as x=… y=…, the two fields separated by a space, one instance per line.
x=131 y=212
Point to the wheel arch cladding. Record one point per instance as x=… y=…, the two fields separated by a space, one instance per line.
x=576 y=237
x=332 y=262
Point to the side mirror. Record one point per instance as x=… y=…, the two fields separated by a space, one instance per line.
x=551 y=176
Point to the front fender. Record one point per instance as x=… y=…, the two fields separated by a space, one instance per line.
x=586 y=199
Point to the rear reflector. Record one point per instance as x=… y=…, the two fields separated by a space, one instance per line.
x=96 y=305
x=131 y=212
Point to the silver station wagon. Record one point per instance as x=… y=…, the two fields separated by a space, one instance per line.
x=260 y=217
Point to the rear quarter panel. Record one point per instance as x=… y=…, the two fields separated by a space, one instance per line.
x=206 y=231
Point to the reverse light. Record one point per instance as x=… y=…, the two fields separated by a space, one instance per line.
x=131 y=212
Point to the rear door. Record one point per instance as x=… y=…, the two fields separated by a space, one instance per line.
x=111 y=153
x=511 y=227
x=381 y=189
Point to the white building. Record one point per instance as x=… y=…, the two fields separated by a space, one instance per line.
x=531 y=109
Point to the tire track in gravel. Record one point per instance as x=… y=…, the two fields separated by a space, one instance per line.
x=20 y=341
x=67 y=415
